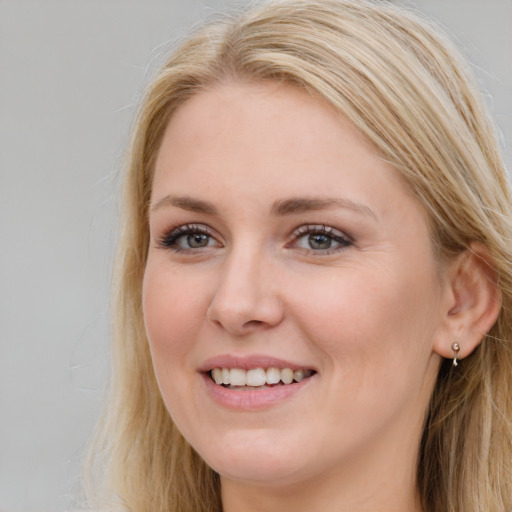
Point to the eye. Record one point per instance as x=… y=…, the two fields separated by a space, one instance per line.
x=188 y=237
x=320 y=239
x=197 y=240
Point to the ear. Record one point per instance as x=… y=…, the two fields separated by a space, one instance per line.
x=474 y=302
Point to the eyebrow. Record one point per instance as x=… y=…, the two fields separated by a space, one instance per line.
x=186 y=203
x=307 y=204
x=281 y=207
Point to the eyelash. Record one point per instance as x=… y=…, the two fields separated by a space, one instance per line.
x=170 y=240
x=329 y=232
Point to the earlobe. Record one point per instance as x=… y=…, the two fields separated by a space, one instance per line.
x=474 y=305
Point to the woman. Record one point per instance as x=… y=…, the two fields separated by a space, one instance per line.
x=313 y=303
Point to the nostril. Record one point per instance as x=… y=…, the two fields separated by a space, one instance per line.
x=253 y=323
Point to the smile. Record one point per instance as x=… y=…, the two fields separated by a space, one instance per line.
x=262 y=378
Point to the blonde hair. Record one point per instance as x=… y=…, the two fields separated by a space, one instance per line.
x=408 y=91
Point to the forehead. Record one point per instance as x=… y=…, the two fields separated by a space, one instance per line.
x=268 y=140
x=236 y=114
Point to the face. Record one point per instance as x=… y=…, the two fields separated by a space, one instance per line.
x=284 y=249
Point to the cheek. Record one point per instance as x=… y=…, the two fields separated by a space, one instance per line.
x=376 y=343
x=173 y=314
x=173 y=311
x=363 y=318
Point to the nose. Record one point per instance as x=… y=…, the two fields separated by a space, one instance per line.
x=245 y=298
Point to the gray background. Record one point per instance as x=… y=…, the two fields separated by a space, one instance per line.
x=71 y=72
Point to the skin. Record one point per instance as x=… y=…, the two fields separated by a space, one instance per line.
x=367 y=315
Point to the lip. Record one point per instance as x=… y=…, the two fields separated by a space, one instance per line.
x=250 y=362
x=253 y=400
x=257 y=399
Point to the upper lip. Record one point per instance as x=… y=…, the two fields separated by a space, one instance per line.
x=248 y=362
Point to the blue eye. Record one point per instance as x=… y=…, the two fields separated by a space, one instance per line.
x=197 y=240
x=320 y=238
x=319 y=242
x=188 y=237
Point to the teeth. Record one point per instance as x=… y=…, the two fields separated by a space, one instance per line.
x=237 y=377
x=287 y=375
x=298 y=375
x=217 y=376
x=273 y=375
x=257 y=377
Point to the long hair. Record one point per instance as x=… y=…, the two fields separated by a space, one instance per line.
x=406 y=89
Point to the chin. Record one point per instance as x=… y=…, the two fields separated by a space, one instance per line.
x=253 y=456
x=268 y=473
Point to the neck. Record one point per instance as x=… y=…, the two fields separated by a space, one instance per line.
x=334 y=493
x=372 y=482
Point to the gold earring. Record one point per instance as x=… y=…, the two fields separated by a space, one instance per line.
x=456 y=350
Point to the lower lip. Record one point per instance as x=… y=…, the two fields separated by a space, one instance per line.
x=247 y=400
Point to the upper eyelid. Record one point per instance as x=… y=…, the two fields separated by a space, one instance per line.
x=302 y=230
x=189 y=227
x=340 y=237
x=182 y=230
x=321 y=228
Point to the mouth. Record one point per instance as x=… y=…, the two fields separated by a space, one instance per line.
x=258 y=378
